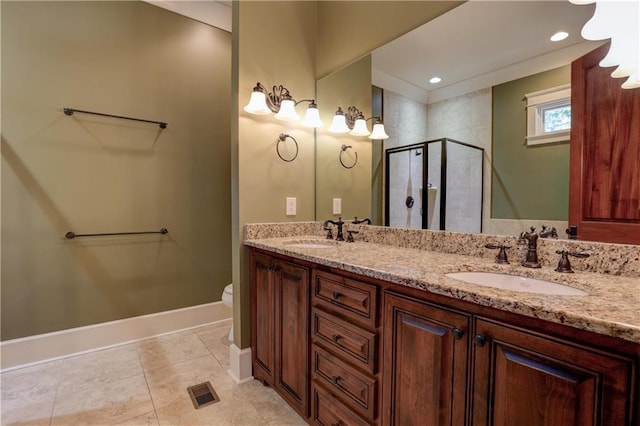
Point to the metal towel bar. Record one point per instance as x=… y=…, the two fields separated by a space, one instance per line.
x=71 y=235
x=70 y=111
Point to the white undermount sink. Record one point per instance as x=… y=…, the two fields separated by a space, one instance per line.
x=517 y=283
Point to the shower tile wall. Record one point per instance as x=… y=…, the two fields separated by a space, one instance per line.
x=406 y=123
x=404 y=119
x=464 y=188
x=406 y=169
x=466 y=118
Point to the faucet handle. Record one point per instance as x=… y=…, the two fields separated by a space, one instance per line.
x=501 y=257
x=350 y=235
x=329 y=232
x=564 y=265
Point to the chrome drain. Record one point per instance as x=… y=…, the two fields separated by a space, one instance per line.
x=202 y=395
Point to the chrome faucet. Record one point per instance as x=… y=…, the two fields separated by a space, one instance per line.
x=339 y=223
x=531 y=239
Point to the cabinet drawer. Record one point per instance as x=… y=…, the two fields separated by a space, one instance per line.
x=329 y=411
x=355 y=389
x=352 y=299
x=353 y=343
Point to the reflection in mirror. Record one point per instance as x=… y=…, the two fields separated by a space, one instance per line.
x=489 y=48
x=434 y=185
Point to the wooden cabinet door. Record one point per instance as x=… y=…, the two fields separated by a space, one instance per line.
x=604 y=178
x=425 y=364
x=263 y=311
x=292 y=335
x=521 y=378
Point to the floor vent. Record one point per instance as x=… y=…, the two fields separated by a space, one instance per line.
x=202 y=395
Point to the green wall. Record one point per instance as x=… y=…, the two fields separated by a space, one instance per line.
x=528 y=182
x=273 y=43
x=350 y=86
x=89 y=174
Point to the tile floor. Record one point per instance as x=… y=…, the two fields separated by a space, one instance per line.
x=143 y=383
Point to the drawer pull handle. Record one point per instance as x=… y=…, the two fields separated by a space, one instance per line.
x=335 y=379
x=335 y=338
x=338 y=423
x=336 y=295
x=479 y=340
x=458 y=333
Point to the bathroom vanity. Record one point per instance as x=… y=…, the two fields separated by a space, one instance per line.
x=367 y=334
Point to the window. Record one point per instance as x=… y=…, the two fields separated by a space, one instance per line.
x=549 y=115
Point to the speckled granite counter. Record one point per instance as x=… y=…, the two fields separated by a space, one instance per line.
x=611 y=308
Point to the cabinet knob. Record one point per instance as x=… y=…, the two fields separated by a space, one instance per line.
x=335 y=379
x=335 y=338
x=336 y=295
x=479 y=340
x=457 y=333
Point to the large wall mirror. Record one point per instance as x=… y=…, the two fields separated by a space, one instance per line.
x=489 y=55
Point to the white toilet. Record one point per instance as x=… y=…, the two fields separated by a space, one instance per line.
x=227 y=299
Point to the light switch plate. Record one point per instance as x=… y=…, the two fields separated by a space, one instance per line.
x=337 y=206
x=291 y=206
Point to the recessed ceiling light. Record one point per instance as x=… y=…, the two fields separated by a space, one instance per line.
x=560 y=35
x=435 y=80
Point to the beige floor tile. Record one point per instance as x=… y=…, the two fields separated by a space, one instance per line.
x=147 y=419
x=169 y=384
x=170 y=349
x=30 y=386
x=215 y=338
x=114 y=402
x=84 y=372
x=37 y=414
x=225 y=412
x=269 y=404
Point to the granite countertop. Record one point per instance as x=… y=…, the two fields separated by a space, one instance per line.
x=612 y=306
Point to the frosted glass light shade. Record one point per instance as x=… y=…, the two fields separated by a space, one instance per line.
x=360 y=128
x=339 y=124
x=619 y=21
x=257 y=104
x=287 y=111
x=378 y=132
x=312 y=117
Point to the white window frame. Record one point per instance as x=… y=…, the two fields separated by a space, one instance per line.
x=537 y=103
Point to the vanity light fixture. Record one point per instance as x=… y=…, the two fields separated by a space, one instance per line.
x=619 y=21
x=355 y=124
x=559 y=36
x=280 y=101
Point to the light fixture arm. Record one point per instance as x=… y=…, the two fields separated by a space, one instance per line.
x=312 y=102
x=275 y=97
x=353 y=113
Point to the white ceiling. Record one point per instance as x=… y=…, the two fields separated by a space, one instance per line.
x=211 y=12
x=474 y=46
x=479 y=44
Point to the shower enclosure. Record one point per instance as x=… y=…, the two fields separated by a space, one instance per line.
x=434 y=185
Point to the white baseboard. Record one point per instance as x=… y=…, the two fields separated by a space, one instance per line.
x=18 y=353
x=240 y=368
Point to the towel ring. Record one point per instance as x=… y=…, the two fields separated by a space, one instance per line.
x=282 y=138
x=343 y=148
